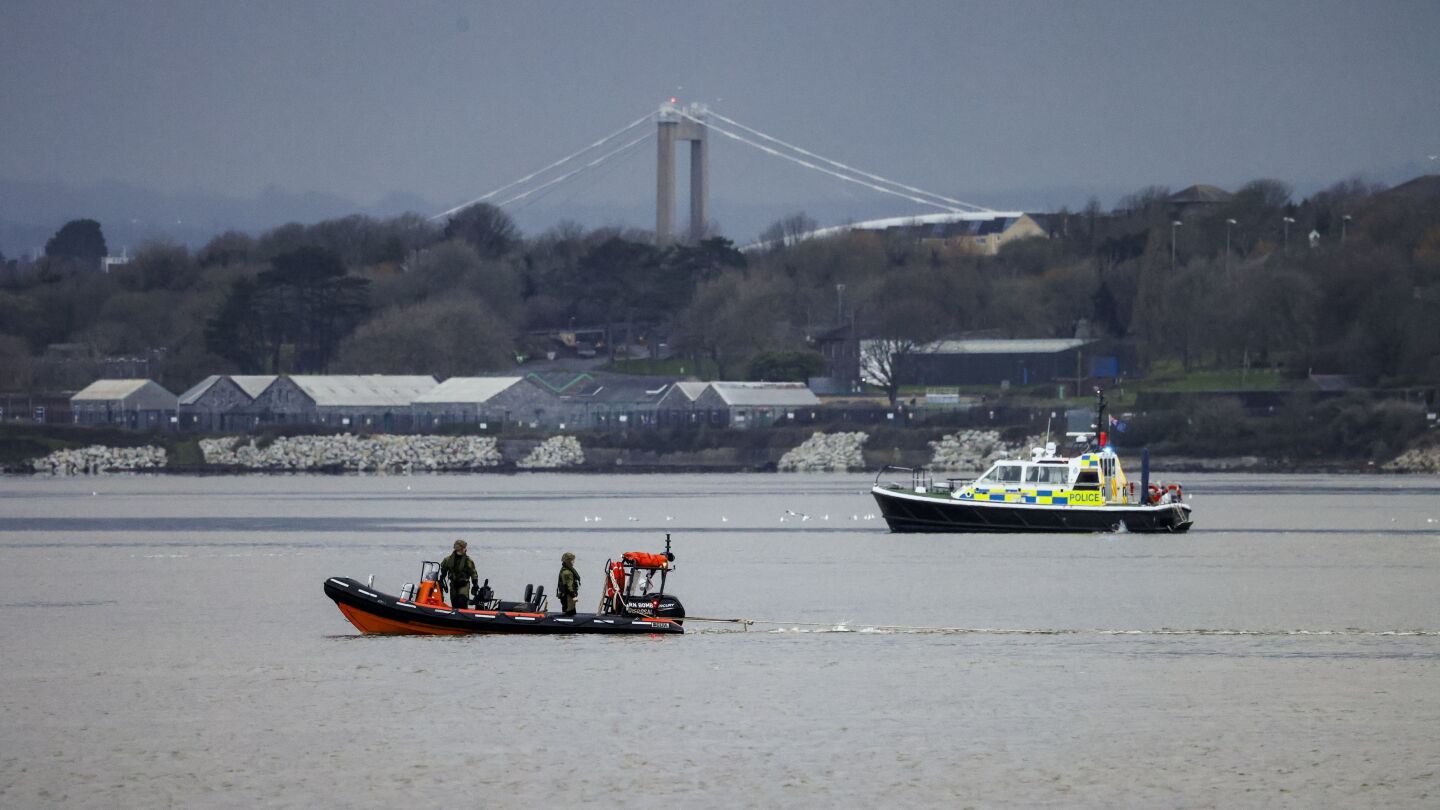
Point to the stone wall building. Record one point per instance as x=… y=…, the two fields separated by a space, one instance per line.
x=755 y=404
x=603 y=401
x=489 y=401
x=677 y=407
x=138 y=404
x=362 y=402
x=211 y=405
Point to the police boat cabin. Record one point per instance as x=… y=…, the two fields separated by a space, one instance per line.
x=1088 y=492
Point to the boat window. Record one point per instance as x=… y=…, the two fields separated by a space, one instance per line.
x=1007 y=474
x=1047 y=474
x=1088 y=479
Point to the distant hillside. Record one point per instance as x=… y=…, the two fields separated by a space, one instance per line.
x=130 y=214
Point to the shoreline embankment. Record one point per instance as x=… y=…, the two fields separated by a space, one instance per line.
x=784 y=450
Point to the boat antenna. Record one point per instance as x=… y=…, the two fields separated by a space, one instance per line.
x=1099 y=418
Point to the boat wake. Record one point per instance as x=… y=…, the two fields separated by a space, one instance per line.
x=776 y=627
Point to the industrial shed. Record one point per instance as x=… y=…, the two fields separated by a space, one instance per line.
x=991 y=362
x=480 y=400
x=754 y=404
x=139 y=404
x=209 y=404
x=677 y=407
x=599 y=401
x=367 y=402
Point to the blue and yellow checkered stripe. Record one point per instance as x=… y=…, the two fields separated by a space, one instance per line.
x=1038 y=496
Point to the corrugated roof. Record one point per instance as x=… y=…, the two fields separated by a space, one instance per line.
x=197 y=390
x=1040 y=346
x=692 y=390
x=467 y=390
x=253 y=384
x=361 y=390
x=765 y=393
x=109 y=389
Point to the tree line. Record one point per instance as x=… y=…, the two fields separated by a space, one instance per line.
x=1236 y=281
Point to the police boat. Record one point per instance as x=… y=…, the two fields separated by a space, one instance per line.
x=1086 y=492
x=634 y=601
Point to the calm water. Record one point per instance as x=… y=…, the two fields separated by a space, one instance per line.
x=166 y=643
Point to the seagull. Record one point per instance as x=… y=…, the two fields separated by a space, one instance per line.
x=667 y=517
x=800 y=515
x=632 y=518
x=724 y=519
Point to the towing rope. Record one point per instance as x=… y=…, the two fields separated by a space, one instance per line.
x=849 y=627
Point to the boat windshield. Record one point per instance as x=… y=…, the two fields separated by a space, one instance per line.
x=1004 y=474
x=1048 y=474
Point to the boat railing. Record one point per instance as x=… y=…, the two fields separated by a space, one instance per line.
x=920 y=478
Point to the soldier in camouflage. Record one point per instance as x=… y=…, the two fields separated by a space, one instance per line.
x=568 y=587
x=459 y=570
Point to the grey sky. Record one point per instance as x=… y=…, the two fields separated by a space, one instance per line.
x=447 y=100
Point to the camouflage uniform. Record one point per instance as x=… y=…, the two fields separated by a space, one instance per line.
x=460 y=570
x=567 y=589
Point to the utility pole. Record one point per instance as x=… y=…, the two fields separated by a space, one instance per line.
x=1228 y=223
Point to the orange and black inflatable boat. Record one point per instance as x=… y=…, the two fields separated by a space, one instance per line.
x=632 y=603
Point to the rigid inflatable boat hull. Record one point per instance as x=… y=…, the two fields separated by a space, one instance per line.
x=374 y=612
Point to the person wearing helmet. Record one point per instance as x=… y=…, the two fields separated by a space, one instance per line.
x=459 y=570
x=568 y=588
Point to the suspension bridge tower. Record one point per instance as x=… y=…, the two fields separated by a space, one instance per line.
x=681 y=124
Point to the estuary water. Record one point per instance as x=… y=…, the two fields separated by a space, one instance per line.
x=165 y=642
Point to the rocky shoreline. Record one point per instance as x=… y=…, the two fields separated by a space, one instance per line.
x=963 y=451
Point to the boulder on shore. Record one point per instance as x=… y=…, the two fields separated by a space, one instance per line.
x=826 y=452
x=554 y=453
x=100 y=459
x=377 y=452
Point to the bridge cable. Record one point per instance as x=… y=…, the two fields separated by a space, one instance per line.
x=562 y=178
x=551 y=184
x=852 y=169
x=807 y=164
x=527 y=178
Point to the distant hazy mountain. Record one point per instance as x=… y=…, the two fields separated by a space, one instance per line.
x=30 y=213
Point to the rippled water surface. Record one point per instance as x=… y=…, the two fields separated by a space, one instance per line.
x=166 y=643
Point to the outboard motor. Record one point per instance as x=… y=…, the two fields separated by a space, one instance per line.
x=485 y=597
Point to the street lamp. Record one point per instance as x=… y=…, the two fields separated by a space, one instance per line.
x=1345 y=220
x=1173 y=225
x=1288 y=221
x=1228 y=223
x=839 y=303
